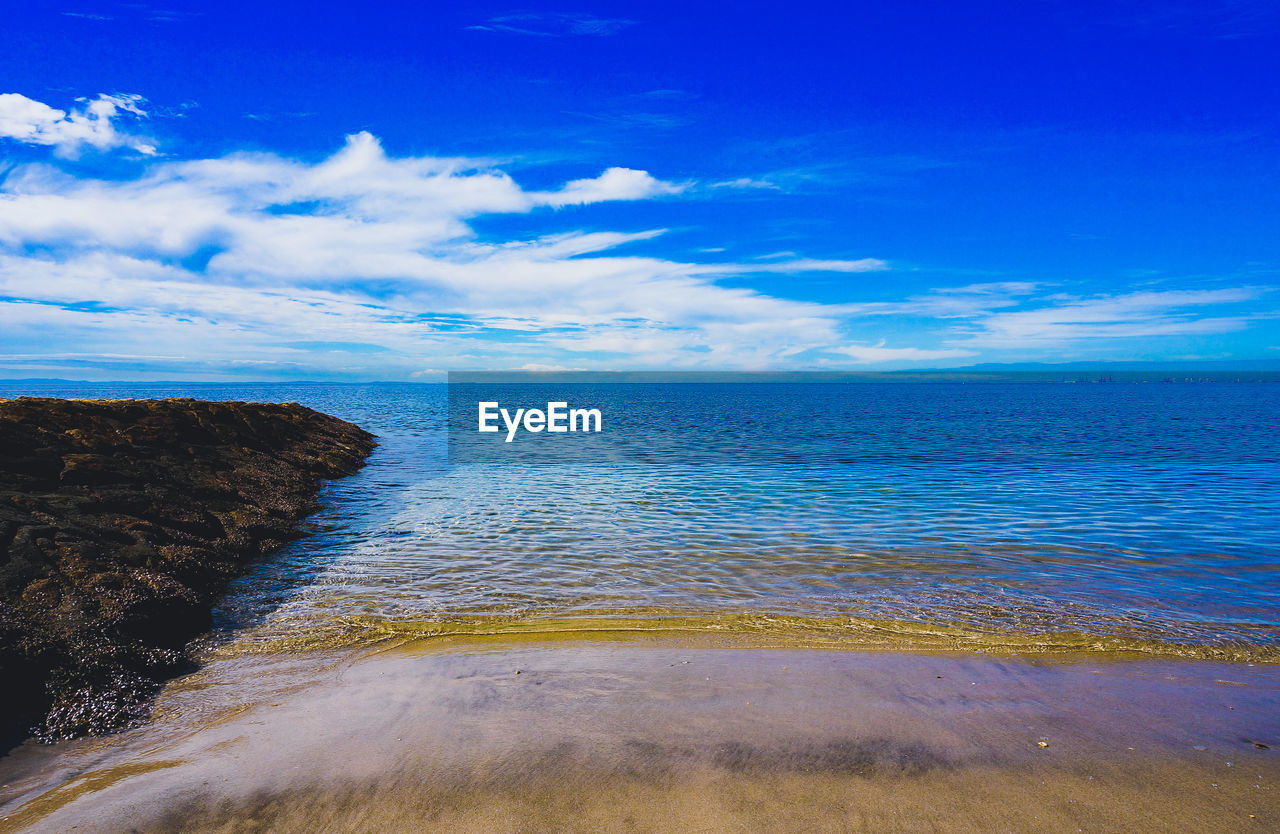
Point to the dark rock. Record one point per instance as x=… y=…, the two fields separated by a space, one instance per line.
x=121 y=522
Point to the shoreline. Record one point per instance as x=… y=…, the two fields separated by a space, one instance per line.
x=665 y=736
x=747 y=630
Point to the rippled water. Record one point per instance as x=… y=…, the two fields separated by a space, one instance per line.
x=1167 y=552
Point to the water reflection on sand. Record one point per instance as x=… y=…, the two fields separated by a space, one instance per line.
x=652 y=736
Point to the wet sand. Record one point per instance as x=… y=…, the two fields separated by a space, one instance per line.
x=590 y=736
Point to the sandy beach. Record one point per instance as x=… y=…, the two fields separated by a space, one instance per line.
x=659 y=736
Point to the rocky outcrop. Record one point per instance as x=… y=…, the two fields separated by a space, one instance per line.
x=121 y=522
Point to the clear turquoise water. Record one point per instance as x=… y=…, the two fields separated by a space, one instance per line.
x=1169 y=538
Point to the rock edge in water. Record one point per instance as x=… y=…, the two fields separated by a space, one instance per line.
x=121 y=523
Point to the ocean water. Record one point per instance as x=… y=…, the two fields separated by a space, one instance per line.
x=994 y=516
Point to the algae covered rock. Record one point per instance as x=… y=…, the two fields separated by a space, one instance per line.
x=121 y=522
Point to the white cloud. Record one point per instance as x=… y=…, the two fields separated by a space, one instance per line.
x=805 y=265
x=960 y=302
x=613 y=184
x=1134 y=315
x=872 y=354
x=68 y=132
x=552 y=24
x=367 y=264
x=244 y=253
x=747 y=182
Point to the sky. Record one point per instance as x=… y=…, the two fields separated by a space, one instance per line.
x=389 y=191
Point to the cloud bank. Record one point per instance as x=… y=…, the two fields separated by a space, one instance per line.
x=261 y=259
x=367 y=265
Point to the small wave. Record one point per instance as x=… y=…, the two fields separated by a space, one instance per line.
x=740 y=630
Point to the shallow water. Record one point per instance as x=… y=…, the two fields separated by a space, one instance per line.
x=1167 y=544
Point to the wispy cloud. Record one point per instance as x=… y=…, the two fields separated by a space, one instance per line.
x=92 y=124
x=136 y=12
x=276 y=117
x=747 y=182
x=1133 y=315
x=962 y=302
x=168 y=15
x=879 y=353
x=553 y=25
x=658 y=121
x=667 y=95
x=1016 y=315
x=1222 y=19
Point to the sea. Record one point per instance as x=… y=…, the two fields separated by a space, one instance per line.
x=1010 y=517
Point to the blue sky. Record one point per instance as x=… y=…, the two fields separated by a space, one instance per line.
x=391 y=190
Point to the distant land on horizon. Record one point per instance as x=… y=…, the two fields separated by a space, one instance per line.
x=1118 y=365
